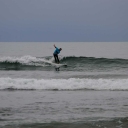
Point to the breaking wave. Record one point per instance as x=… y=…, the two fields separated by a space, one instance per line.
x=77 y=63
x=63 y=84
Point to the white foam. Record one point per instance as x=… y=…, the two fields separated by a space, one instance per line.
x=23 y=59
x=64 y=84
x=28 y=60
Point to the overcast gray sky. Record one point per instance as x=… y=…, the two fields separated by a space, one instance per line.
x=63 y=20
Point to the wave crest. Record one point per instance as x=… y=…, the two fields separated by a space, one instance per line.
x=77 y=63
x=63 y=84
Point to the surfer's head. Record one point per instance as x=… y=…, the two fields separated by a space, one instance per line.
x=60 y=49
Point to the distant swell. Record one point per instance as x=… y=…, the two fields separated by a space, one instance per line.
x=63 y=84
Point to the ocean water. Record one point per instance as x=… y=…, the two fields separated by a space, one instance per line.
x=90 y=92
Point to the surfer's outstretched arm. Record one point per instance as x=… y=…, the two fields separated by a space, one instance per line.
x=54 y=45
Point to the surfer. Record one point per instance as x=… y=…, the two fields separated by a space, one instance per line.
x=55 y=54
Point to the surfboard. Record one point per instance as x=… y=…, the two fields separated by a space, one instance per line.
x=56 y=65
x=60 y=65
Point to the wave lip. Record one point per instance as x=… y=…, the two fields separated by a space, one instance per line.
x=63 y=84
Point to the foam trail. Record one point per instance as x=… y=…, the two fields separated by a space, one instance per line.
x=29 y=60
x=26 y=60
x=64 y=84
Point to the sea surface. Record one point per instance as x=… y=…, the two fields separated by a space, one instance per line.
x=90 y=92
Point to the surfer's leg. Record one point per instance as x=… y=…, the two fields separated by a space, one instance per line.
x=57 y=59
